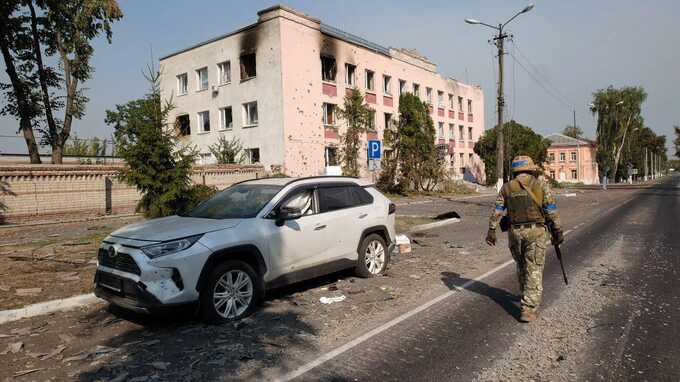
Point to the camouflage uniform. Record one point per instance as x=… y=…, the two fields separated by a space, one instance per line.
x=528 y=235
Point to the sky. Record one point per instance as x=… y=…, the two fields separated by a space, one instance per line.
x=562 y=51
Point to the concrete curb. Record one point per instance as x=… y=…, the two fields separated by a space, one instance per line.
x=48 y=307
x=425 y=227
x=80 y=220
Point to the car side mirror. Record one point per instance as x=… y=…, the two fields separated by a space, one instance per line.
x=287 y=213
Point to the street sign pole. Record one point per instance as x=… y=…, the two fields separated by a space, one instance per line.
x=374 y=154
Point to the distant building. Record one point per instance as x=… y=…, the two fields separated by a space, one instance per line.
x=571 y=160
x=276 y=86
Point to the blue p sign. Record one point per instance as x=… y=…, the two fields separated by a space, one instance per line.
x=373 y=149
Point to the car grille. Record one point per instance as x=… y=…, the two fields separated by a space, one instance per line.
x=122 y=261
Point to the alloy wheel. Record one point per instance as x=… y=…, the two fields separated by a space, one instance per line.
x=233 y=293
x=374 y=257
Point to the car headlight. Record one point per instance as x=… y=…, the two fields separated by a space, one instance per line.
x=170 y=247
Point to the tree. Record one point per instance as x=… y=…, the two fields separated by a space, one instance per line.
x=358 y=118
x=618 y=112
x=523 y=141
x=154 y=163
x=21 y=94
x=676 y=142
x=4 y=190
x=83 y=147
x=69 y=26
x=413 y=162
x=228 y=151
x=573 y=131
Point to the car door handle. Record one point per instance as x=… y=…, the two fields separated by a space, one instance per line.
x=362 y=216
x=319 y=227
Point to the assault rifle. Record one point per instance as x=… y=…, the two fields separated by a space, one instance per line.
x=558 y=252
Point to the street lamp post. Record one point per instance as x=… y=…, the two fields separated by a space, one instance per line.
x=499 y=40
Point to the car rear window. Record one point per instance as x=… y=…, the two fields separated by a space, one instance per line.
x=337 y=198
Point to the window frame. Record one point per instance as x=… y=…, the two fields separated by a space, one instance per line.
x=440 y=98
x=416 y=89
x=242 y=66
x=199 y=82
x=249 y=152
x=563 y=157
x=185 y=76
x=440 y=129
x=222 y=68
x=334 y=69
x=387 y=84
x=324 y=116
x=402 y=87
x=428 y=95
x=246 y=114
x=350 y=75
x=223 y=110
x=451 y=101
x=369 y=80
x=573 y=156
x=201 y=121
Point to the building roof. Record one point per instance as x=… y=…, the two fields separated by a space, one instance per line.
x=563 y=140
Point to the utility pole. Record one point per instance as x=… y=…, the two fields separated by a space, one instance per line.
x=499 y=41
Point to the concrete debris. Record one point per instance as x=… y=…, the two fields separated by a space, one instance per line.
x=77 y=357
x=403 y=244
x=25 y=372
x=570 y=195
x=331 y=300
x=53 y=353
x=27 y=291
x=66 y=337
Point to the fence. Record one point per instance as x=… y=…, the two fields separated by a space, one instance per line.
x=47 y=192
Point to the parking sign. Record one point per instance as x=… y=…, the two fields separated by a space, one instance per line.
x=374 y=149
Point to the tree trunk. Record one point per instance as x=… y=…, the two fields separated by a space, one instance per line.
x=59 y=140
x=20 y=92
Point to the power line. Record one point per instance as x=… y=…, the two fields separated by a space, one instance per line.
x=540 y=83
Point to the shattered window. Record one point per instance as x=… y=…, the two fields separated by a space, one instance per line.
x=328 y=68
x=183 y=125
x=248 y=66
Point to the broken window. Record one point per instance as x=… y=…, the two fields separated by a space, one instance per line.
x=370 y=80
x=388 y=120
x=371 y=122
x=387 y=88
x=182 y=84
x=328 y=116
x=224 y=72
x=253 y=155
x=402 y=87
x=248 y=66
x=226 y=119
x=250 y=117
x=183 y=125
x=204 y=121
x=350 y=74
x=331 y=156
x=328 y=69
x=202 y=78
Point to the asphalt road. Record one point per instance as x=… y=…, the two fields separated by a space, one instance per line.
x=619 y=319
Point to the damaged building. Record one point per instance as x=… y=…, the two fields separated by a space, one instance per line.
x=276 y=85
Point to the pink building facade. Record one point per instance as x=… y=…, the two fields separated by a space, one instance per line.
x=276 y=85
x=571 y=160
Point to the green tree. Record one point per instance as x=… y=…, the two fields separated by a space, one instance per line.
x=358 y=118
x=154 y=163
x=413 y=162
x=618 y=112
x=227 y=151
x=676 y=142
x=523 y=141
x=573 y=131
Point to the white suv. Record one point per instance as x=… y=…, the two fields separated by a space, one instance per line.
x=252 y=236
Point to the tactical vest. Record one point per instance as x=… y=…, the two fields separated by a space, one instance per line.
x=521 y=208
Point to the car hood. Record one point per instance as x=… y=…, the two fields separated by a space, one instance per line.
x=173 y=227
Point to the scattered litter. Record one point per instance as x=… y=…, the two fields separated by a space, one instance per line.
x=330 y=300
x=54 y=352
x=24 y=372
x=160 y=365
x=403 y=244
x=570 y=195
x=71 y=276
x=66 y=337
x=27 y=291
x=414 y=277
x=13 y=348
x=452 y=245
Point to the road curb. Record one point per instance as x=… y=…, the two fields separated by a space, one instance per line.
x=425 y=227
x=47 y=307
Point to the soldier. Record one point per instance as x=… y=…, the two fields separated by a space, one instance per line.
x=530 y=207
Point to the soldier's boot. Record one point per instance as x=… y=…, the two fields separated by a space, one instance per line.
x=528 y=314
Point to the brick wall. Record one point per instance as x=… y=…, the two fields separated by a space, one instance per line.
x=43 y=192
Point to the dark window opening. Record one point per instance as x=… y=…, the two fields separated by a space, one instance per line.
x=183 y=124
x=248 y=66
x=328 y=68
x=332 y=156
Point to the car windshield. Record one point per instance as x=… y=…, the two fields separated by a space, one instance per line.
x=237 y=202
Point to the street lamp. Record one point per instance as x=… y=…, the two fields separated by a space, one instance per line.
x=499 y=40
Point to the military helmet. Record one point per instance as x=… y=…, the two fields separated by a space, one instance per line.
x=522 y=163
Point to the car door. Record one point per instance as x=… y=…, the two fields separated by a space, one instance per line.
x=344 y=215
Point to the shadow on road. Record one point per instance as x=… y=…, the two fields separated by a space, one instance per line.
x=506 y=300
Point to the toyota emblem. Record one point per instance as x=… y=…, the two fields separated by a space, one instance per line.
x=112 y=252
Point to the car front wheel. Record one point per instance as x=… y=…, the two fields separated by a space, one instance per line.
x=373 y=256
x=231 y=292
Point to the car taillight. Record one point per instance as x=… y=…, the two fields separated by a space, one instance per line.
x=392 y=209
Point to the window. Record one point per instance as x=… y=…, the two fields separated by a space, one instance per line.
x=250 y=114
x=470 y=106
x=563 y=157
x=462 y=160
x=328 y=68
x=336 y=198
x=253 y=155
x=451 y=101
x=440 y=99
x=328 y=117
x=224 y=72
x=387 y=86
x=440 y=130
x=402 y=87
x=470 y=156
x=248 y=66
x=204 y=121
x=470 y=132
x=369 y=85
x=183 y=125
x=331 y=156
x=461 y=132
x=302 y=200
x=388 y=120
x=226 y=119
x=574 y=175
x=202 y=78
x=573 y=156
x=451 y=128
x=416 y=90
x=371 y=122
x=552 y=172
x=551 y=157
x=460 y=104
x=182 y=84
x=350 y=74
x=428 y=92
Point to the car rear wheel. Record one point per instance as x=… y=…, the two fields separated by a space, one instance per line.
x=232 y=292
x=373 y=256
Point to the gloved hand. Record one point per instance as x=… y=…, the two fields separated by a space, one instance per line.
x=558 y=236
x=491 y=237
